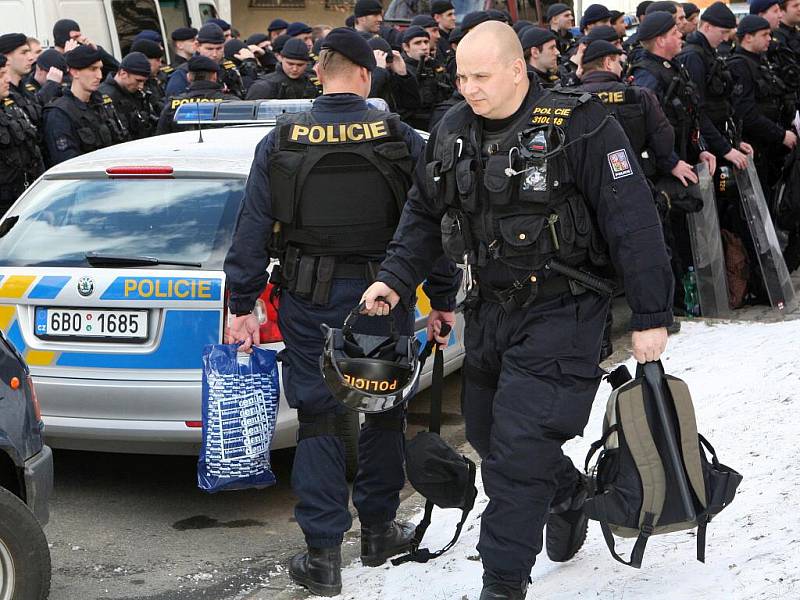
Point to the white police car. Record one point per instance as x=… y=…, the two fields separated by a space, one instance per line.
x=111 y=283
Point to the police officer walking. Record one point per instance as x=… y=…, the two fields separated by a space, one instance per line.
x=125 y=89
x=83 y=119
x=291 y=81
x=326 y=189
x=20 y=159
x=531 y=167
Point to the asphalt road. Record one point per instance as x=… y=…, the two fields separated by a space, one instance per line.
x=136 y=526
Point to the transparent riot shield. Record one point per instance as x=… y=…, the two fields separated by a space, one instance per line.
x=770 y=258
x=709 y=257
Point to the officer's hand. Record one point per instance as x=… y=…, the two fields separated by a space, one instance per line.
x=55 y=74
x=684 y=173
x=71 y=45
x=710 y=160
x=746 y=148
x=649 y=345
x=380 y=58
x=790 y=139
x=243 y=329
x=87 y=42
x=244 y=54
x=435 y=320
x=257 y=50
x=738 y=159
x=375 y=307
x=398 y=64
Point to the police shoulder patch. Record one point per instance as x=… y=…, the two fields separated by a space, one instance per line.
x=8 y=102
x=619 y=163
x=30 y=87
x=107 y=99
x=228 y=64
x=166 y=69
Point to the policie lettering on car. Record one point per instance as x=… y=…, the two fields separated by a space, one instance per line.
x=339 y=133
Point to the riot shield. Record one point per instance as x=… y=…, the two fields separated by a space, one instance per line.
x=770 y=258
x=709 y=257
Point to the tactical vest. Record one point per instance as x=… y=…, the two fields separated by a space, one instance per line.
x=20 y=157
x=97 y=127
x=133 y=109
x=773 y=99
x=516 y=205
x=230 y=77
x=783 y=58
x=338 y=189
x=719 y=85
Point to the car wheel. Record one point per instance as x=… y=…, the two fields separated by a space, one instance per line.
x=24 y=555
x=348 y=428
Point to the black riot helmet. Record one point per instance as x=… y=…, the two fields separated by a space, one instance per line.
x=369 y=373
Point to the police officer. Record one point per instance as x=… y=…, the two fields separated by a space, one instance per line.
x=156 y=84
x=244 y=61
x=714 y=84
x=431 y=76
x=204 y=86
x=276 y=28
x=595 y=15
x=49 y=78
x=692 y=13
x=125 y=88
x=532 y=338
x=329 y=226
x=83 y=119
x=391 y=79
x=301 y=31
x=540 y=48
x=291 y=81
x=787 y=32
x=184 y=42
x=14 y=46
x=211 y=44
x=782 y=53
x=444 y=14
x=760 y=100
x=561 y=21
x=67 y=34
x=20 y=159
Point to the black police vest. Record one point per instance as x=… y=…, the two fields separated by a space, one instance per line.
x=339 y=188
x=719 y=84
x=97 y=127
x=522 y=219
x=19 y=150
x=25 y=97
x=680 y=98
x=784 y=58
x=132 y=109
x=625 y=103
x=773 y=99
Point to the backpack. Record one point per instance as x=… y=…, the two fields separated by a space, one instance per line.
x=653 y=475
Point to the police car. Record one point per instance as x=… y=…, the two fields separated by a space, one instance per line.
x=111 y=284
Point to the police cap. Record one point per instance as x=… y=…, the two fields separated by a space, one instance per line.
x=593 y=14
x=690 y=8
x=221 y=23
x=423 y=21
x=202 y=64
x=616 y=14
x=536 y=36
x=520 y=26
x=149 y=34
x=51 y=58
x=662 y=6
x=182 y=34
x=364 y=8
x=233 y=47
x=598 y=49
x=3 y=60
x=136 y=63
x=720 y=15
x=751 y=24
x=601 y=32
x=759 y=6
x=147 y=47
x=295 y=49
x=279 y=42
x=656 y=24
x=641 y=8
x=297 y=28
x=378 y=43
x=557 y=9
x=347 y=42
x=277 y=25
x=413 y=33
x=256 y=39
x=456 y=36
x=439 y=7
x=61 y=31
x=82 y=57
x=11 y=41
x=499 y=15
x=211 y=33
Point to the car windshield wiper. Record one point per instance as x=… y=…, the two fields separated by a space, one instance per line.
x=98 y=260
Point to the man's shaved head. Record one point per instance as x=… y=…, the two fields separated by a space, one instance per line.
x=491 y=70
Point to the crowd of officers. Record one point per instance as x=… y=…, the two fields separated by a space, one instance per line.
x=686 y=87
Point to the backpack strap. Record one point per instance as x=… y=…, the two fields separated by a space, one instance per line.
x=637 y=553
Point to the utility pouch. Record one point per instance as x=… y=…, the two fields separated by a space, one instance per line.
x=305 y=275
x=497 y=183
x=289 y=265
x=454 y=242
x=465 y=182
x=322 y=287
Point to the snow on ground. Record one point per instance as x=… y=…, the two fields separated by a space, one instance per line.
x=745 y=382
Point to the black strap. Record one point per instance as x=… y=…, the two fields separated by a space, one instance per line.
x=701 y=537
x=597 y=445
x=641 y=542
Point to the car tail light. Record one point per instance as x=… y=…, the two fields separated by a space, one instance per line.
x=143 y=171
x=37 y=410
x=193 y=423
x=266 y=311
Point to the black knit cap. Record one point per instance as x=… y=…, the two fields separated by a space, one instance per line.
x=136 y=63
x=536 y=36
x=598 y=49
x=556 y=9
x=147 y=47
x=202 y=64
x=641 y=8
x=593 y=14
x=298 y=28
x=367 y=7
x=211 y=33
x=759 y=6
x=11 y=41
x=378 y=43
x=82 y=57
x=520 y=25
x=256 y=39
x=232 y=48
x=61 y=31
x=423 y=21
x=347 y=42
x=690 y=8
x=279 y=42
x=51 y=58
x=752 y=24
x=662 y=6
x=295 y=49
x=439 y=7
x=601 y=32
x=414 y=32
x=181 y=34
x=221 y=23
x=277 y=25
x=720 y=15
x=656 y=24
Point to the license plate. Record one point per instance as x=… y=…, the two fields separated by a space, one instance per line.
x=78 y=323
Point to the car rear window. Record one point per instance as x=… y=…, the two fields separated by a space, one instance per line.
x=187 y=220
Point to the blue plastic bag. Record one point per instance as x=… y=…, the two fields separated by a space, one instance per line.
x=241 y=393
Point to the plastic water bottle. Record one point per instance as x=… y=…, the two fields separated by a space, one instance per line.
x=690 y=296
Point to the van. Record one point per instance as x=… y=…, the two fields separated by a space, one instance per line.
x=111 y=24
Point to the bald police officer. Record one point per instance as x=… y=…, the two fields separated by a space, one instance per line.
x=326 y=190
x=508 y=207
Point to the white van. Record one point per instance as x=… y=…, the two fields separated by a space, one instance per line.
x=110 y=23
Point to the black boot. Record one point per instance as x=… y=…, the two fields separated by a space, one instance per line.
x=379 y=542
x=319 y=570
x=495 y=589
x=567 y=525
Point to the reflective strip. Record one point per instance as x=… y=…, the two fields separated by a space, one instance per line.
x=49 y=287
x=7 y=313
x=41 y=358
x=16 y=286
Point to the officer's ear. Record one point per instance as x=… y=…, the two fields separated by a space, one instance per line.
x=519 y=69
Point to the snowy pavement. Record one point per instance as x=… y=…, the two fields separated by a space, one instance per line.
x=745 y=381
